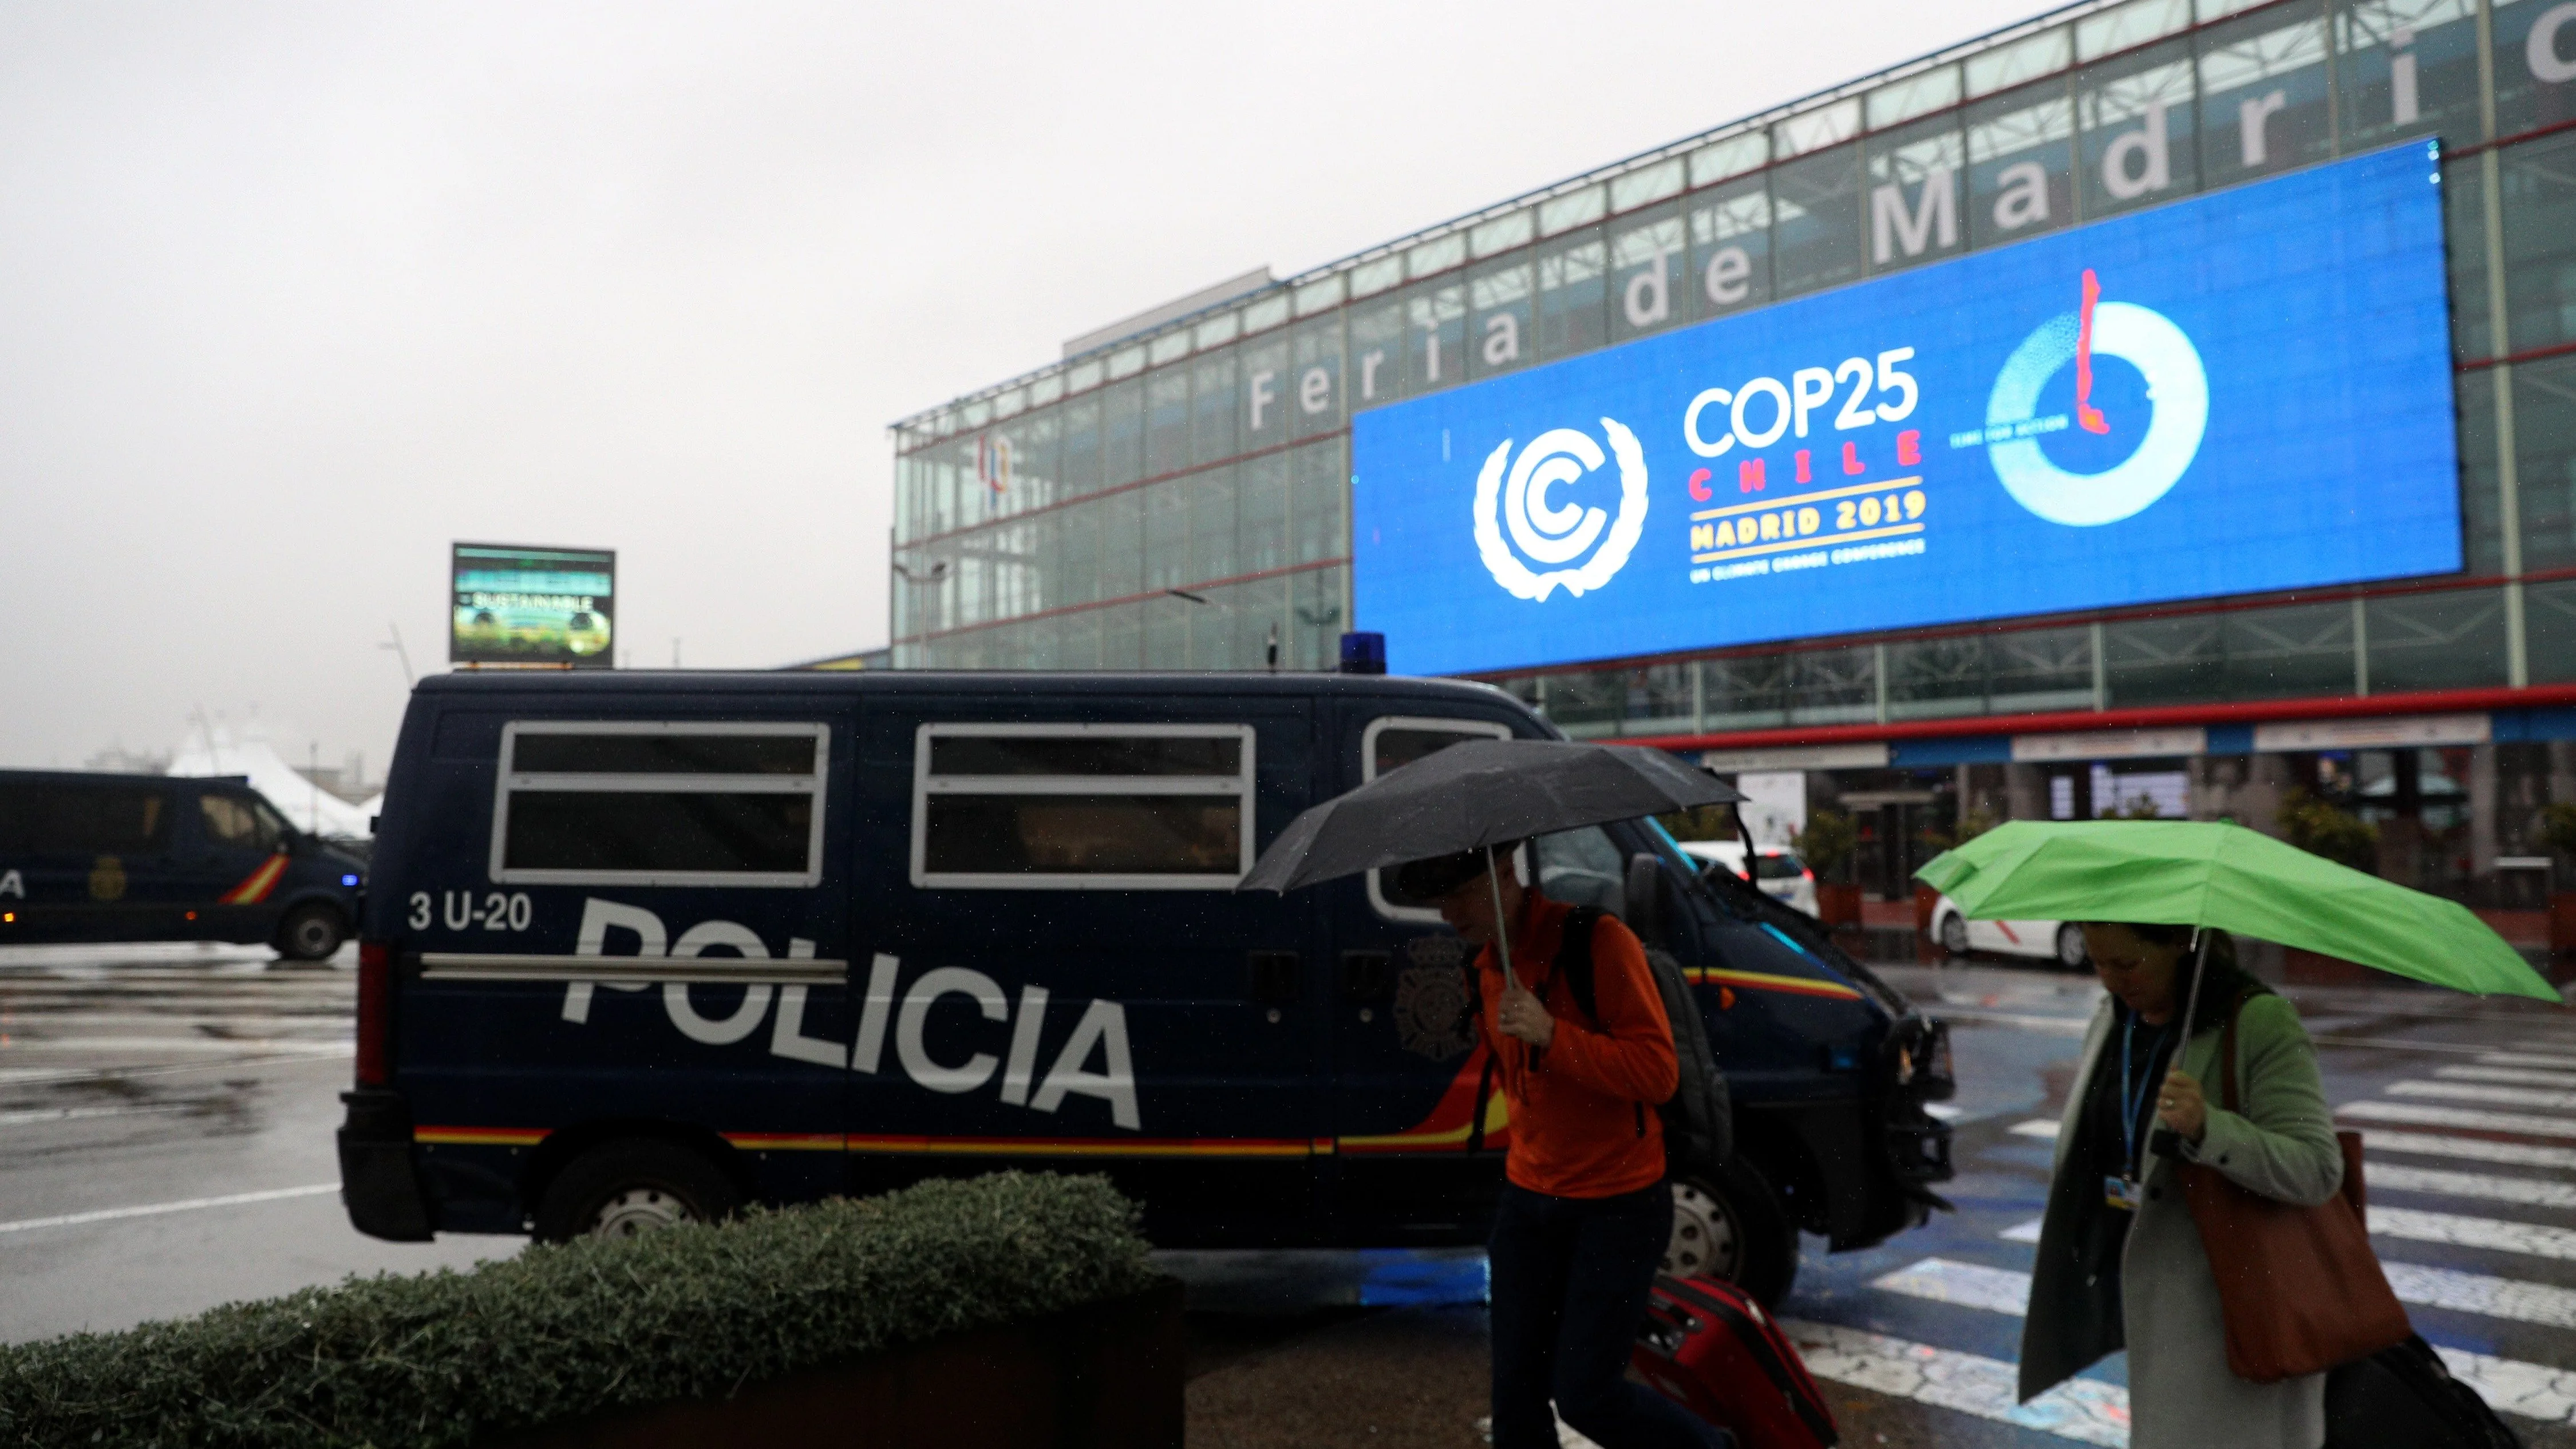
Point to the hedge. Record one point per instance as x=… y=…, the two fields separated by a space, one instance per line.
x=558 y=1333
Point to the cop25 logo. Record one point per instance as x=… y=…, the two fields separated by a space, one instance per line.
x=1514 y=500
x=2177 y=389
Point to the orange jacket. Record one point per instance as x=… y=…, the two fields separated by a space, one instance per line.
x=1583 y=1122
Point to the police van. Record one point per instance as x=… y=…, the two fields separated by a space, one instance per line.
x=640 y=948
x=88 y=857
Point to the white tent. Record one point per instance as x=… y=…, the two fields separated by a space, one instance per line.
x=312 y=809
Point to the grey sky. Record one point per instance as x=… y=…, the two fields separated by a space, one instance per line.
x=291 y=296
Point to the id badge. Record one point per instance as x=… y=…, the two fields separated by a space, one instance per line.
x=2120 y=1193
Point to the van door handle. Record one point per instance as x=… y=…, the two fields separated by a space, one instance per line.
x=1367 y=976
x=1278 y=978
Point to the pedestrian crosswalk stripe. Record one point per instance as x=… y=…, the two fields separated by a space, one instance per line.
x=2431 y=1144
x=2525 y=1076
x=2003 y=1290
x=2562 y=1060
x=1966 y=1285
x=2042 y=1127
x=2427 y=1115
x=2529 y=1191
x=2482 y=1294
x=2021 y=1232
x=2469 y=1232
x=2529 y=1389
x=2087 y=1411
x=2501 y=1096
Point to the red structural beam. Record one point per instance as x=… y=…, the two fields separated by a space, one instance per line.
x=2168 y=716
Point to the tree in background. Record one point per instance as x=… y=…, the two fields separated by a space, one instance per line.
x=1708 y=822
x=2318 y=827
x=1971 y=825
x=1827 y=844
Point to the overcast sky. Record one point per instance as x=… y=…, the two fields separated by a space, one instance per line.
x=293 y=296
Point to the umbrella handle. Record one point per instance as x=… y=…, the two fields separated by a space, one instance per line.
x=1502 y=930
x=2164 y=1141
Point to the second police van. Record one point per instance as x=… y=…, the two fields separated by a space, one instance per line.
x=640 y=948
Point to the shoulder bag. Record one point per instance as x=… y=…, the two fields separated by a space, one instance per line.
x=2300 y=1288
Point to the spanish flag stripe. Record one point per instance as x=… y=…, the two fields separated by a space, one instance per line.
x=1757 y=981
x=479 y=1136
x=255 y=887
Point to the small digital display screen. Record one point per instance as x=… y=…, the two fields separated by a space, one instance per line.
x=527 y=605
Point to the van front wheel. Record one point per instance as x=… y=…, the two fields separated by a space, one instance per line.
x=633 y=1186
x=311 y=933
x=1732 y=1227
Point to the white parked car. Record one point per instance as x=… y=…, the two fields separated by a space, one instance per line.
x=2058 y=941
x=1777 y=870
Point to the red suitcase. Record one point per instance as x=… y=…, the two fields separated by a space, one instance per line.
x=1707 y=1345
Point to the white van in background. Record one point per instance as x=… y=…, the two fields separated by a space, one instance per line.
x=2058 y=941
x=1777 y=870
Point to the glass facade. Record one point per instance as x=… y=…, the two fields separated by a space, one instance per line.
x=1181 y=499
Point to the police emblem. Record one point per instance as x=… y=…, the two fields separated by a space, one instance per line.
x=1431 y=999
x=107 y=879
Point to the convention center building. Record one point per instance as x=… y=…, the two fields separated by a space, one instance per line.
x=2156 y=407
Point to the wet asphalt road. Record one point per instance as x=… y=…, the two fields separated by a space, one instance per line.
x=165 y=1145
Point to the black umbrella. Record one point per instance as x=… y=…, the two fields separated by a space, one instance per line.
x=1484 y=794
x=1481 y=794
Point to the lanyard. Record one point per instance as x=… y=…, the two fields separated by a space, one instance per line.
x=2130 y=1105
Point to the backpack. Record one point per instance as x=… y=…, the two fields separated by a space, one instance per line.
x=1699 y=1119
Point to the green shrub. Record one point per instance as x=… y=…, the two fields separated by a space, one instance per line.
x=2316 y=826
x=1827 y=843
x=558 y=1333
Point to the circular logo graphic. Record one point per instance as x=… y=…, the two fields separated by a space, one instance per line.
x=2176 y=385
x=1512 y=497
x=1431 y=1012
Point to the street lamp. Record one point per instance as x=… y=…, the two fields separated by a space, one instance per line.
x=1270 y=650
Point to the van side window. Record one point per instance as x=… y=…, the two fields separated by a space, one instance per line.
x=1082 y=807
x=1582 y=868
x=82 y=819
x=232 y=820
x=641 y=802
x=1394 y=740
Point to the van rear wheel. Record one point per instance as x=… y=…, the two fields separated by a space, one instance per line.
x=633 y=1186
x=1732 y=1227
x=311 y=933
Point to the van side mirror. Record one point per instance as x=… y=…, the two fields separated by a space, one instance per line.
x=1644 y=911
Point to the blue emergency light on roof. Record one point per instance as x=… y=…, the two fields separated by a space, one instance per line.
x=1363 y=652
x=348 y=880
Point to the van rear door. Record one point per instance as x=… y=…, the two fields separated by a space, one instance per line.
x=703 y=834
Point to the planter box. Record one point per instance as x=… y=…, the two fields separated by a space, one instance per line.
x=1107 y=1374
x=1837 y=905
x=2562 y=923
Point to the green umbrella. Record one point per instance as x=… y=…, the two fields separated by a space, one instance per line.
x=2196 y=873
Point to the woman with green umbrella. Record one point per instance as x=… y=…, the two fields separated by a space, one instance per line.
x=2121 y=1260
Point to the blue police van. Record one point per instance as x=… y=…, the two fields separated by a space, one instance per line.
x=641 y=948
x=90 y=857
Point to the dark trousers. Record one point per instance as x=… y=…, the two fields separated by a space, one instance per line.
x=1569 y=1288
